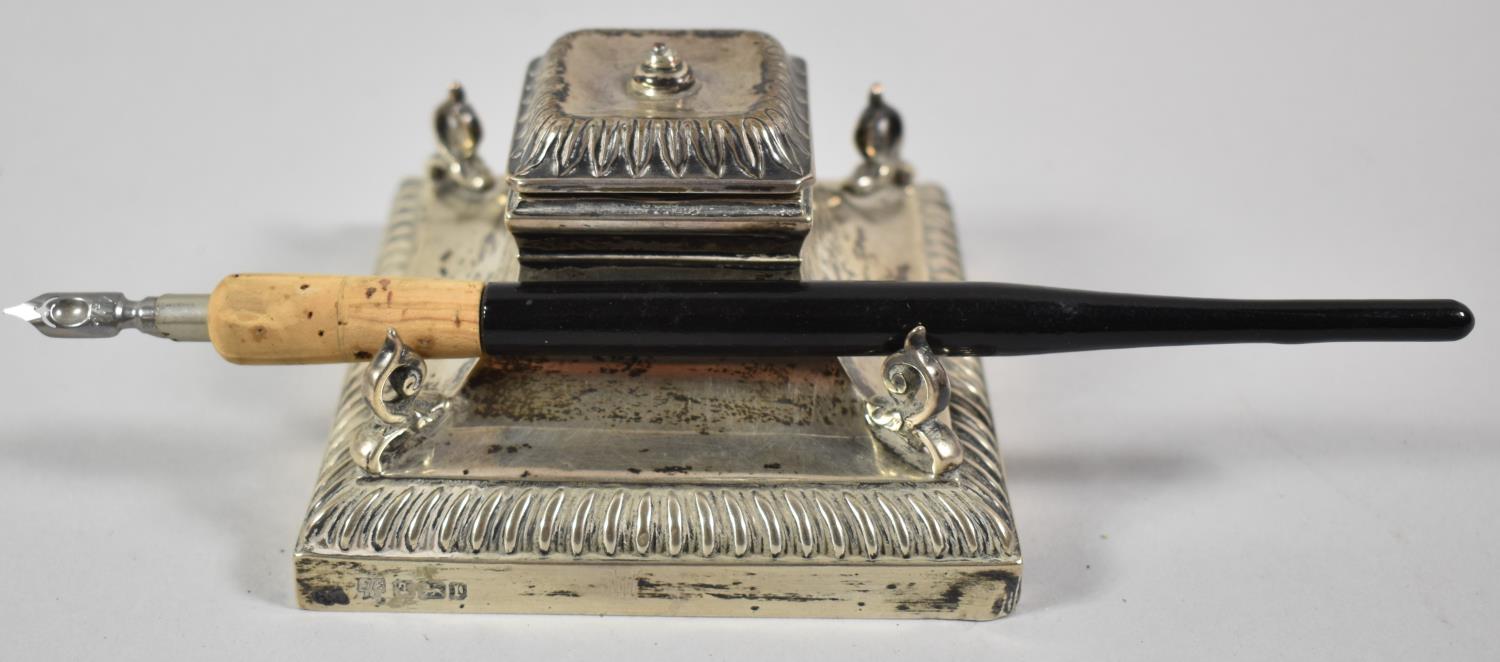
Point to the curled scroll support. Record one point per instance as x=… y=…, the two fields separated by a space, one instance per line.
x=392 y=384
x=911 y=417
x=393 y=379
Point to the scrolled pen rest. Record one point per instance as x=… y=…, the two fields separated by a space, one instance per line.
x=656 y=370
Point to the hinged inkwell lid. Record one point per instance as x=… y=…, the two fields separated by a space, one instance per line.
x=664 y=153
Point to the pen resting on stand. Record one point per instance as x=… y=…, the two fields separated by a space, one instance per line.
x=290 y=318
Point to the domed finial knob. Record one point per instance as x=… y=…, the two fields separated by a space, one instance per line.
x=662 y=73
x=662 y=58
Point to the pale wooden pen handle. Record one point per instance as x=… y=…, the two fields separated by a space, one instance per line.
x=295 y=318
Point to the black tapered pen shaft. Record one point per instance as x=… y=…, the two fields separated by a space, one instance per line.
x=304 y=318
x=862 y=318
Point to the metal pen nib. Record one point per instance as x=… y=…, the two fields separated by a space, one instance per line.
x=104 y=314
x=25 y=312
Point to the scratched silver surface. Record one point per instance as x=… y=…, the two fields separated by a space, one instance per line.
x=567 y=462
x=636 y=420
x=662 y=424
x=708 y=181
x=640 y=486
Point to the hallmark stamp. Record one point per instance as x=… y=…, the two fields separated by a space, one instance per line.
x=370 y=587
x=373 y=587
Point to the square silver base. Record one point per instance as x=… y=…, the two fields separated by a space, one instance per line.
x=627 y=486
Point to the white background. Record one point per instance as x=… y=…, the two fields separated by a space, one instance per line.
x=1250 y=502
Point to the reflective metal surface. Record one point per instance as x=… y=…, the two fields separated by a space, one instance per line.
x=663 y=73
x=458 y=131
x=105 y=314
x=532 y=493
x=696 y=163
x=855 y=487
x=878 y=136
x=906 y=418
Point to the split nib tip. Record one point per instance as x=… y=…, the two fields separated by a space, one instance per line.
x=25 y=312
